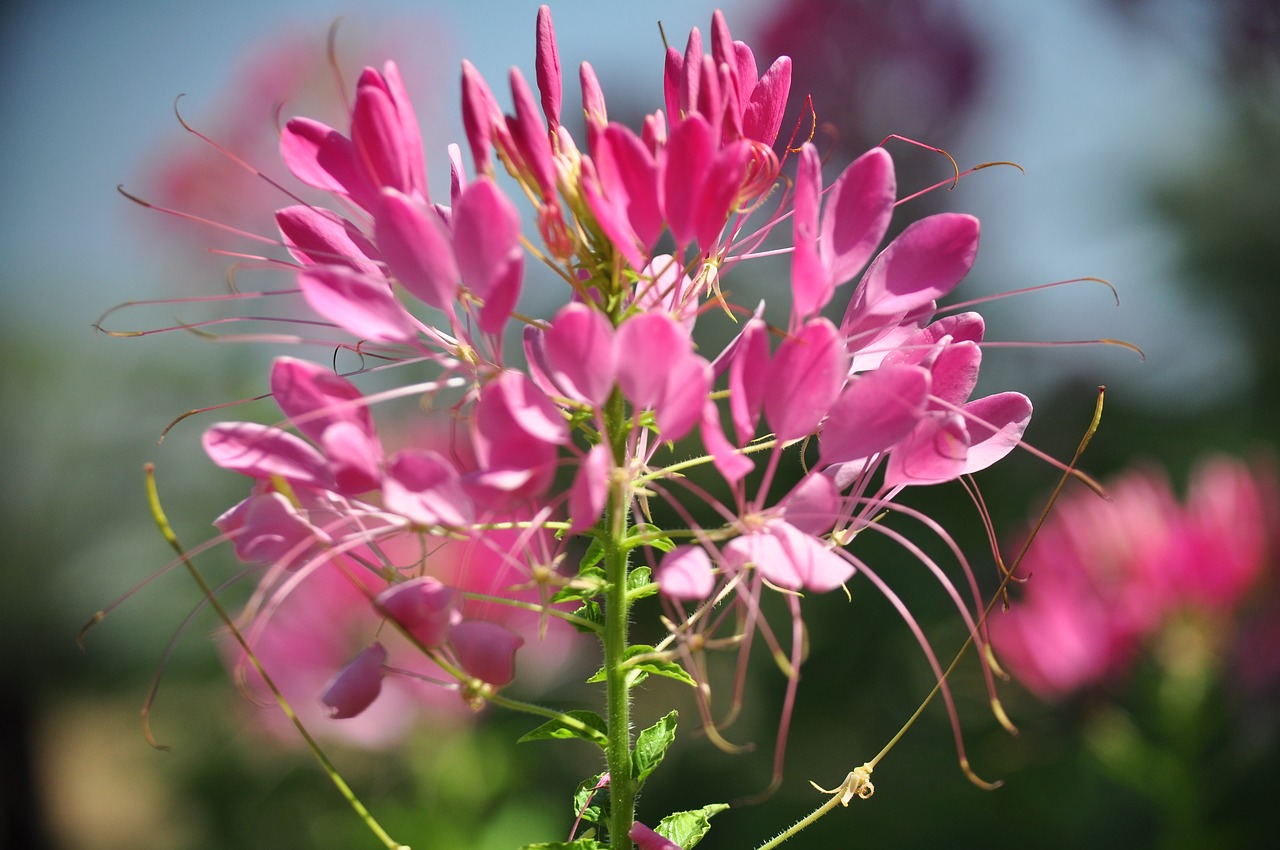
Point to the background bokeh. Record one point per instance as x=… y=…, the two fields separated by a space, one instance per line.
x=1148 y=130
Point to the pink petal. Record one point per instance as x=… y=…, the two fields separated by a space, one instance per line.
x=924 y=263
x=813 y=505
x=592 y=96
x=267 y=528
x=363 y=306
x=480 y=115
x=875 y=411
x=418 y=249
x=547 y=59
x=646 y=839
x=763 y=113
x=819 y=568
x=718 y=192
x=804 y=379
x=648 y=347
x=315 y=397
x=322 y=237
x=358 y=684
x=355 y=458
x=609 y=212
x=996 y=424
x=530 y=136
x=686 y=573
x=579 y=350
x=262 y=452
x=955 y=372
x=410 y=132
x=486 y=240
x=486 y=650
x=932 y=453
x=425 y=607
x=811 y=283
x=320 y=156
x=639 y=173
x=682 y=165
x=763 y=551
x=590 y=488
x=733 y=465
x=858 y=210
x=376 y=134
x=747 y=382
x=683 y=397
x=424 y=488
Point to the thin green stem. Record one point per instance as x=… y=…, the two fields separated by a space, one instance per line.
x=622 y=787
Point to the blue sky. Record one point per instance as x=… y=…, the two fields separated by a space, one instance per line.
x=1090 y=110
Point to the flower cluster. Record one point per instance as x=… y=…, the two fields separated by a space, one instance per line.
x=453 y=549
x=1104 y=577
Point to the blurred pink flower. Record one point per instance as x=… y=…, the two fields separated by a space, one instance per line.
x=1103 y=576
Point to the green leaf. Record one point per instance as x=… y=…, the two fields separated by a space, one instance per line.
x=587 y=800
x=688 y=828
x=594 y=731
x=657 y=666
x=640 y=583
x=589 y=584
x=645 y=534
x=589 y=611
x=651 y=747
x=580 y=844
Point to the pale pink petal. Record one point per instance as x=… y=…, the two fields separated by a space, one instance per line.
x=875 y=411
x=765 y=552
x=266 y=528
x=683 y=397
x=686 y=573
x=425 y=488
x=857 y=214
x=995 y=423
x=358 y=684
x=816 y=564
x=804 y=379
x=363 y=306
x=262 y=452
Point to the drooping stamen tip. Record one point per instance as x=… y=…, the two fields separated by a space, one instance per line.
x=93 y=621
x=997 y=708
x=978 y=780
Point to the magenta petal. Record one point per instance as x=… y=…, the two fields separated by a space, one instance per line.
x=955 y=372
x=733 y=465
x=995 y=423
x=319 y=237
x=683 y=397
x=547 y=59
x=648 y=348
x=639 y=174
x=355 y=458
x=805 y=377
x=361 y=305
x=683 y=165
x=418 y=249
x=320 y=156
x=858 y=210
x=262 y=452
x=486 y=650
x=579 y=350
x=376 y=134
x=424 y=488
x=358 y=684
x=609 y=213
x=747 y=382
x=932 y=453
x=876 y=410
x=923 y=264
x=530 y=135
x=480 y=115
x=486 y=240
x=314 y=397
x=590 y=488
x=811 y=284
x=646 y=839
x=718 y=192
x=593 y=104
x=425 y=607
x=762 y=117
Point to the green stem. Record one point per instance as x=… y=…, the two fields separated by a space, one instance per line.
x=622 y=787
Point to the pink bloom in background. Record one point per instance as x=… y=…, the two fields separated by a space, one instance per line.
x=1104 y=576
